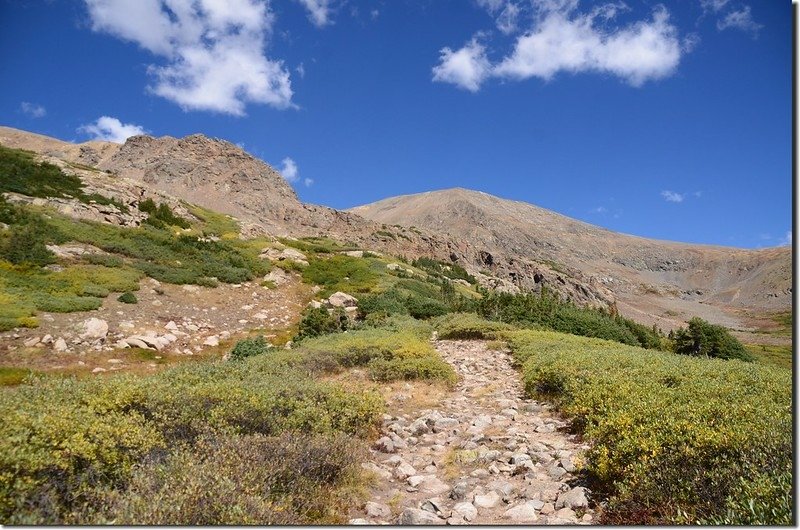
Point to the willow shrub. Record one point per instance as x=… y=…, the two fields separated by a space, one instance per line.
x=66 y=443
x=673 y=438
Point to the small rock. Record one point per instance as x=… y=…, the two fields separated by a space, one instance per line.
x=417 y=517
x=459 y=491
x=488 y=500
x=466 y=510
x=340 y=299
x=433 y=505
x=565 y=513
x=377 y=511
x=60 y=345
x=213 y=340
x=404 y=470
x=33 y=341
x=385 y=445
x=574 y=498
x=98 y=370
x=548 y=509
x=523 y=513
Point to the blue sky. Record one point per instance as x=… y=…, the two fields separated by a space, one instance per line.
x=670 y=120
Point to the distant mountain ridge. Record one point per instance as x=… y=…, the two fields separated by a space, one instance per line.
x=509 y=245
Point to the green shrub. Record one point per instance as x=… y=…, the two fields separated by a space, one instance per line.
x=161 y=215
x=250 y=347
x=547 y=310
x=127 y=298
x=243 y=480
x=21 y=174
x=469 y=326
x=424 y=308
x=66 y=443
x=318 y=321
x=439 y=268
x=702 y=339
x=428 y=367
x=673 y=438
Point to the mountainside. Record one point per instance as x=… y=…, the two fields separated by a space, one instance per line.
x=665 y=281
x=220 y=176
x=507 y=245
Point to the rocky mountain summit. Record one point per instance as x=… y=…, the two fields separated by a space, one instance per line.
x=653 y=281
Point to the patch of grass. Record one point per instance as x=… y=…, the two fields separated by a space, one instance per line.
x=11 y=376
x=250 y=347
x=319 y=245
x=214 y=223
x=771 y=355
x=341 y=273
x=674 y=439
x=442 y=269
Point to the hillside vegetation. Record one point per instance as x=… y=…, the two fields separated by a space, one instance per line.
x=673 y=439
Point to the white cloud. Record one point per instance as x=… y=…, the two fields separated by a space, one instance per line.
x=787 y=239
x=111 y=129
x=713 y=5
x=563 y=39
x=671 y=196
x=740 y=19
x=308 y=182
x=301 y=70
x=319 y=11
x=213 y=50
x=599 y=210
x=33 y=110
x=640 y=52
x=289 y=170
x=375 y=13
x=467 y=67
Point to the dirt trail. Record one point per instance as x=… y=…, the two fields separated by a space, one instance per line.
x=484 y=455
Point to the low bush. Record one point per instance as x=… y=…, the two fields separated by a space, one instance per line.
x=702 y=339
x=388 y=353
x=448 y=270
x=673 y=439
x=319 y=321
x=469 y=326
x=161 y=215
x=65 y=444
x=288 y=479
x=127 y=298
x=250 y=348
x=549 y=311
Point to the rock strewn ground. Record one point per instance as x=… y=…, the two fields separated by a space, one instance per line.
x=485 y=455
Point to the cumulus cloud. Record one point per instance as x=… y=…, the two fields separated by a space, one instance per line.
x=467 y=67
x=111 y=129
x=740 y=19
x=787 y=239
x=33 y=110
x=561 y=38
x=213 y=51
x=319 y=11
x=672 y=196
x=289 y=170
x=308 y=182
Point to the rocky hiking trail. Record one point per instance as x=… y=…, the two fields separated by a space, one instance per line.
x=484 y=455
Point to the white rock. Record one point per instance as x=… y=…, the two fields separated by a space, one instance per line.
x=488 y=500
x=377 y=511
x=574 y=498
x=94 y=328
x=523 y=513
x=171 y=325
x=60 y=345
x=33 y=341
x=414 y=516
x=340 y=299
x=98 y=370
x=213 y=340
x=466 y=510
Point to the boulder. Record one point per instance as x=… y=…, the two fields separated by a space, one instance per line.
x=377 y=511
x=60 y=345
x=94 y=329
x=488 y=500
x=341 y=299
x=466 y=510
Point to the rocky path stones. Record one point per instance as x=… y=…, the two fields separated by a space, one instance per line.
x=484 y=455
